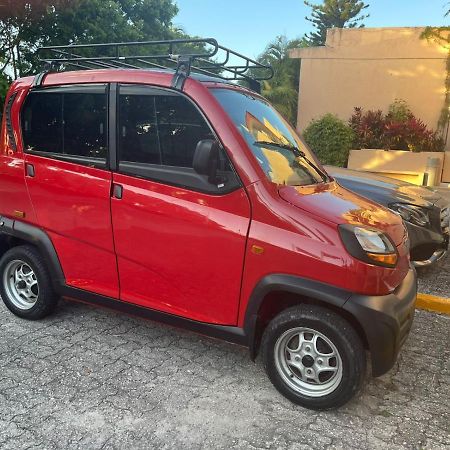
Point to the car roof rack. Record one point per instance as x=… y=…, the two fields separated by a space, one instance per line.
x=204 y=56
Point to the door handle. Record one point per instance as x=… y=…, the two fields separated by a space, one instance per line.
x=29 y=169
x=117 y=191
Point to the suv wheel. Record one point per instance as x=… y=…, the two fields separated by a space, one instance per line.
x=313 y=357
x=25 y=285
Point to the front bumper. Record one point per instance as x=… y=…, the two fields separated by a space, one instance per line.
x=427 y=246
x=430 y=244
x=386 y=321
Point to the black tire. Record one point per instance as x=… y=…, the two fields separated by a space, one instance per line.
x=350 y=350
x=46 y=297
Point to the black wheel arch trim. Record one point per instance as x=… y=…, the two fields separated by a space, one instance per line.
x=38 y=237
x=314 y=290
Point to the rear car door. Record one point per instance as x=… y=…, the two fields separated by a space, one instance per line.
x=64 y=131
x=180 y=240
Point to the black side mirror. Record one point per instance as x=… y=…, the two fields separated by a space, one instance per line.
x=206 y=159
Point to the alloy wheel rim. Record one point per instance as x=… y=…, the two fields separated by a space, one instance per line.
x=21 y=284
x=308 y=362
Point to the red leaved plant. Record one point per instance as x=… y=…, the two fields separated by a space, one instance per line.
x=399 y=129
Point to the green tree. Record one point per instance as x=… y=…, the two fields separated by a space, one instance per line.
x=4 y=85
x=17 y=17
x=334 y=14
x=282 y=89
x=58 y=22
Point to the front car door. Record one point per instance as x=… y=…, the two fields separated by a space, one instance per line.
x=180 y=240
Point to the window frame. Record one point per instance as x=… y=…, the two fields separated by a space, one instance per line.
x=182 y=177
x=178 y=176
x=94 y=88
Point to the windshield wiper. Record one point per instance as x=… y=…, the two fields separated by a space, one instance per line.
x=297 y=152
x=290 y=147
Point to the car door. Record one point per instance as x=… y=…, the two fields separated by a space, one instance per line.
x=180 y=240
x=64 y=131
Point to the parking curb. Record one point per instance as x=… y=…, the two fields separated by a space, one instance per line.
x=433 y=303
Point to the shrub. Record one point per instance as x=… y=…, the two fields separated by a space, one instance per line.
x=399 y=129
x=368 y=128
x=412 y=135
x=399 y=111
x=330 y=138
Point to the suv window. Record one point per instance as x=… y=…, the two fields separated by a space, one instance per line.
x=158 y=134
x=42 y=122
x=159 y=128
x=66 y=123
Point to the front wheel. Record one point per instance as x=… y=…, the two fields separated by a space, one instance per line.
x=313 y=357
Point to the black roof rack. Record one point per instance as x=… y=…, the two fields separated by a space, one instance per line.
x=203 y=56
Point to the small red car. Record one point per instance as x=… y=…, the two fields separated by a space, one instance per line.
x=185 y=198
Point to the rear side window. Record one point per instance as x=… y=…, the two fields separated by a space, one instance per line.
x=42 y=123
x=66 y=123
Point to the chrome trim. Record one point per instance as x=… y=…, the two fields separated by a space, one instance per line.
x=434 y=258
x=445 y=219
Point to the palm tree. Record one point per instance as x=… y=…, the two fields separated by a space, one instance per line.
x=282 y=89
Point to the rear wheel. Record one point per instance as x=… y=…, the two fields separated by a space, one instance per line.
x=313 y=357
x=26 y=286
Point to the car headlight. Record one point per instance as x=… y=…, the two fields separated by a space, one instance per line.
x=411 y=213
x=369 y=245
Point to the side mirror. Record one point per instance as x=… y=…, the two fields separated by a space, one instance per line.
x=206 y=159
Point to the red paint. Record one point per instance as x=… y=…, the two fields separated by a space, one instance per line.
x=181 y=251
x=72 y=202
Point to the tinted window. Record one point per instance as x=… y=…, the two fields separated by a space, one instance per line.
x=85 y=125
x=158 y=133
x=138 y=134
x=181 y=127
x=160 y=129
x=42 y=122
x=65 y=123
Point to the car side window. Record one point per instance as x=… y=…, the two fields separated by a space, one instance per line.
x=66 y=122
x=42 y=122
x=138 y=134
x=180 y=128
x=85 y=119
x=158 y=133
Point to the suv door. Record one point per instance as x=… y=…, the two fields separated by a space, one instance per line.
x=64 y=131
x=180 y=240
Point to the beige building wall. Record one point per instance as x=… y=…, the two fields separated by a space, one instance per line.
x=371 y=67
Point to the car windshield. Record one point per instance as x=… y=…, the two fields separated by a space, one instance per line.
x=283 y=156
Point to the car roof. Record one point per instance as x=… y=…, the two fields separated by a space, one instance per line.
x=124 y=75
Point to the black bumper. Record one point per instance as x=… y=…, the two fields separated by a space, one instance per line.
x=427 y=246
x=386 y=321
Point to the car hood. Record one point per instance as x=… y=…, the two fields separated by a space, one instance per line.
x=384 y=190
x=332 y=202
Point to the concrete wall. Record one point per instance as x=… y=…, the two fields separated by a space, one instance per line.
x=407 y=166
x=446 y=169
x=371 y=67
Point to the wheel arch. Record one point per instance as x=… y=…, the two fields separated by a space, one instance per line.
x=276 y=292
x=15 y=232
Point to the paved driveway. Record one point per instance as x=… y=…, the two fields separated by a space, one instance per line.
x=436 y=281
x=90 y=378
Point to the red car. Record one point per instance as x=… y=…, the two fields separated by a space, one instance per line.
x=185 y=198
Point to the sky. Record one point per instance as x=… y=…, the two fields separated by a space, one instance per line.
x=247 y=26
